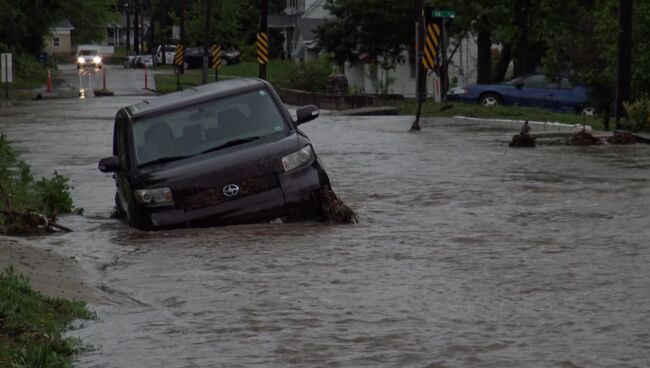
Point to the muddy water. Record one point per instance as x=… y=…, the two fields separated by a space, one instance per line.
x=468 y=254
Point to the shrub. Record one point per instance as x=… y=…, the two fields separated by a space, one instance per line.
x=307 y=76
x=638 y=115
x=20 y=193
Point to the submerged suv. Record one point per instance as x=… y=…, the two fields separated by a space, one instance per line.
x=222 y=153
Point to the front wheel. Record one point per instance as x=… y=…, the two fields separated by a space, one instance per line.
x=490 y=99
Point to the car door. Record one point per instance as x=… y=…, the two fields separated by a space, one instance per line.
x=536 y=91
x=571 y=98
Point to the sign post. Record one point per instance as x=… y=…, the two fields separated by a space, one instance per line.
x=263 y=39
x=216 y=60
x=6 y=72
x=442 y=18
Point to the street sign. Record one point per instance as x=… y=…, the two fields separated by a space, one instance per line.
x=6 y=70
x=176 y=33
x=432 y=45
x=443 y=14
x=262 y=48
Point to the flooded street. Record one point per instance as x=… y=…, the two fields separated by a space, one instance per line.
x=467 y=254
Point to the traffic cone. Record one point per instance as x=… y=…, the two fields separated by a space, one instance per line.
x=49 y=80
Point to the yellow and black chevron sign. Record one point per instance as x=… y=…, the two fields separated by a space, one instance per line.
x=262 y=48
x=179 y=57
x=216 y=56
x=431 y=45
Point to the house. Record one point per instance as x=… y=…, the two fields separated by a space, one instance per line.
x=116 y=31
x=298 y=25
x=59 y=42
x=365 y=77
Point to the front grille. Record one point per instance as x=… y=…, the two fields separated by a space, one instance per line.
x=215 y=196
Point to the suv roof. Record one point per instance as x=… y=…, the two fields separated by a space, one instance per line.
x=176 y=100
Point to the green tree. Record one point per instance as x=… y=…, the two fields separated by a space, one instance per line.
x=382 y=29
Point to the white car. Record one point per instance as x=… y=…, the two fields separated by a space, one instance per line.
x=87 y=58
x=170 y=52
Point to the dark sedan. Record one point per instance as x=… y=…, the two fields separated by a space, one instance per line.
x=533 y=90
x=222 y=153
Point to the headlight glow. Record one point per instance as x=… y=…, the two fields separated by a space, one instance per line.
x=97 y=60
x=80 y=60
x=299 y=158
x=154 y=196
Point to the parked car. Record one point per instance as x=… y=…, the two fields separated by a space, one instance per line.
x=169 y=51
x=222 y=153
x=194 y=57
x=231 y=57
x=139 y=61
x=88 y=57
x=532 y=90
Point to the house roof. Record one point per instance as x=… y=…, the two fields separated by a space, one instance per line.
x=280 y=21
x=64 y=25
x=307 y=28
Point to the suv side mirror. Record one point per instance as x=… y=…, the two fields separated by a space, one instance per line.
x=306 y=113
x=109 y=164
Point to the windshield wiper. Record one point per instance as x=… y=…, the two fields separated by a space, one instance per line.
x=231 y=143
x=163 y=160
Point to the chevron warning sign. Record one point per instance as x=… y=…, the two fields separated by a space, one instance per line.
x=432 y=45
x=179 y=57
x=262 y=48
x=216 y=56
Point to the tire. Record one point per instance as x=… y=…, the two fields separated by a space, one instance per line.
x=490 y=99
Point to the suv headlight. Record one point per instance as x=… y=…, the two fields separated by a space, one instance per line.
x=154 y=196
x=299 y=158
x=97 y=60
x=80 y=60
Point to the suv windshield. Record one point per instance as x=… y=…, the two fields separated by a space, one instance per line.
x=202 y=128
x=88 y=52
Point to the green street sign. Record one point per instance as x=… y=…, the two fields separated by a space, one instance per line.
x=443 y=14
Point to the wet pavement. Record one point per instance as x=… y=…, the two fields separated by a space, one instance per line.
x=468 y=254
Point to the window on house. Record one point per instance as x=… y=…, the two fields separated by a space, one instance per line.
x=56 y=42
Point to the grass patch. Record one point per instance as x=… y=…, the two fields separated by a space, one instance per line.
x=433 y=109
x=25 y=201
x=277 y=72
x=32 y=325
x=28 y=74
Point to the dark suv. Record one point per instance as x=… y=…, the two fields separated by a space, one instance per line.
x=222 y=153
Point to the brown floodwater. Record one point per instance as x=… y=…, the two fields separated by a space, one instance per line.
x=468 y=254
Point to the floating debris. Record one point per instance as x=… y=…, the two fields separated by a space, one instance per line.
x=622 y=138
x=584 y=138
x=523 y=139
x=334 y=209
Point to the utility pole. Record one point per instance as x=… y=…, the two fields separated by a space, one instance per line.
x=420 y=71
x=444 y=68
x=182 y=67
x=624 y=75
x=262 y=38
x=206 y=39
x=128 y=28
x=136 y=29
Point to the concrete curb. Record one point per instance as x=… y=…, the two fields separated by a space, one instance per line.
x=537 y=125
